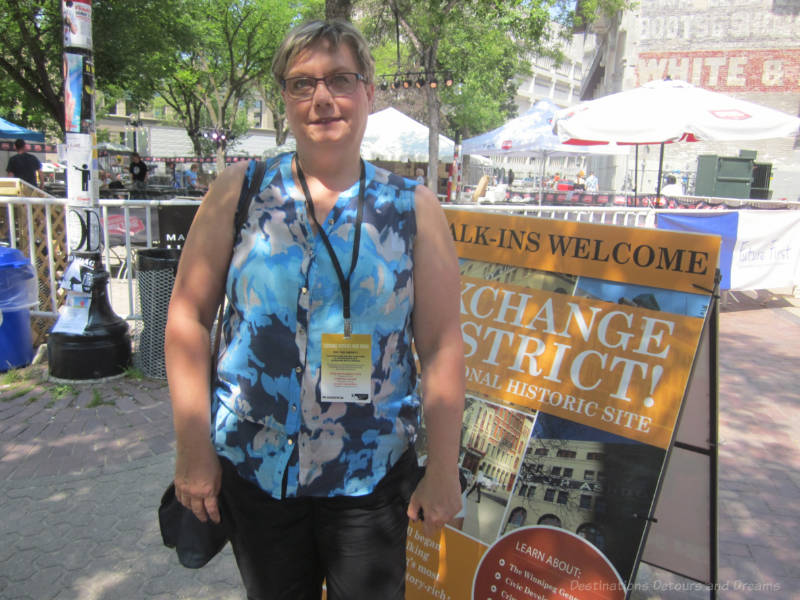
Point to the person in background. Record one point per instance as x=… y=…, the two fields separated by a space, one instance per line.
x=580 y=181
x=420 y=177
x=672 y=187
x=25 y=166
x=510 y=177
x=190 y=177
x=554 y=181
x=138 y=171
x=592 y=185
x=311 y=480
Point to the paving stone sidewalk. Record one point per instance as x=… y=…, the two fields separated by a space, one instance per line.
x=82 y=468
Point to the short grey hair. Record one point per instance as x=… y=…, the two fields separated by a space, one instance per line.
x=335 y=32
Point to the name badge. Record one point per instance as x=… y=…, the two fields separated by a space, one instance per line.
x=346 y=368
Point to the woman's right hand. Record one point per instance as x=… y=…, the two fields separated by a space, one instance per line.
x=198 y=479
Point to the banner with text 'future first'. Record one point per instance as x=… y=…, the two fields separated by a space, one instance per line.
x=579 y=344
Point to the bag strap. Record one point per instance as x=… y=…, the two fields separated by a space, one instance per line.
x=242 y=208
x=246 y=197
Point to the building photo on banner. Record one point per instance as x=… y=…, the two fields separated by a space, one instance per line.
x=576 y=374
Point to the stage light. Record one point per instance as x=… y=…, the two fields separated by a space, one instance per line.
x=433 y=82
x=420 y=81
x=407 y=83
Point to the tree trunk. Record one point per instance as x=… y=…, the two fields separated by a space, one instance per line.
x=338 y=9
x=281 y=131
x=220 y=159
x=432 y=99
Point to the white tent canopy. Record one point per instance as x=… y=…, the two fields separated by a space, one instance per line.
x=530 y=134
x=394 y=136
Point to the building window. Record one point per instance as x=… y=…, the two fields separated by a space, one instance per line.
x=551 y=520
x=257 y=119
x=588 y=475
x=563 y=497
x=549 y=494
x=586 y=501
x=568 y=473
x=517 y=518
x=112 y=107
x=541 y=452
x=555 y=471
x=531 y=491
x=593 y=534
x=595 y=456
x=566 y=454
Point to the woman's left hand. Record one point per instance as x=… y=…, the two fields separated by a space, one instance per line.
x=438 y=496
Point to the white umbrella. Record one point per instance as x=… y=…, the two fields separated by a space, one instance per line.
x=668 y=111
x=530 y=134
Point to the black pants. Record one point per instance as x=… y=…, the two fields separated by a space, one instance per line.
x=285 y=548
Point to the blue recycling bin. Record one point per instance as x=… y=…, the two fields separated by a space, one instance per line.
x=18 y=293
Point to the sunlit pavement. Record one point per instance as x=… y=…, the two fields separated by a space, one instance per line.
x=82 y=470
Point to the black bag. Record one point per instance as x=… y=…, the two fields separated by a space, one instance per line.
x=195 y=542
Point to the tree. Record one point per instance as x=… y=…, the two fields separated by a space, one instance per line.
x=132 y=50
x=338 y=9
x=273 y=100
x=234 y=41
x=270 y=91
x=485 y=44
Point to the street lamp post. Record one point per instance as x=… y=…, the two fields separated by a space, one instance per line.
x=88 y=341
x=135 y=122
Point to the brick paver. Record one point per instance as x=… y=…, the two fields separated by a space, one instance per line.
x=82 y=468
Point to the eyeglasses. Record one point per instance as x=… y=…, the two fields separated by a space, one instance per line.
x=338 y=84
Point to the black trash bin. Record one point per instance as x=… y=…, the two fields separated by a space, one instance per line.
x=156 y=276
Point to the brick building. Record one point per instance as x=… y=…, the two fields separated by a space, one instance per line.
x=749 y=49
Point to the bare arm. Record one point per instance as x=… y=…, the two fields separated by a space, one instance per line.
x=199 y=287
x=437 y=336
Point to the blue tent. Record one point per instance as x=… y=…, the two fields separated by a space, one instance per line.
x=10 y=131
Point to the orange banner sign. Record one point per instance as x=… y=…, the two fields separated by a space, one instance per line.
x=618 y=368
x=644 y=256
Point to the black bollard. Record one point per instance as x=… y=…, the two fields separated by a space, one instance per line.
x=91 y=344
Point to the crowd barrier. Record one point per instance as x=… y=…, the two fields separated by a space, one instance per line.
x=762 y=254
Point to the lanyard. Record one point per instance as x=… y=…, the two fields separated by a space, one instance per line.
x=344 y=284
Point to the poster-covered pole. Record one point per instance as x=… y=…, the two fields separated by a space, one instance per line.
x=88 y=341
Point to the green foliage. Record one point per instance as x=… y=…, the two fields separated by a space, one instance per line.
x=232 y=48
x=488 y=46
x=11 y=377
x=18 y=393
x=134 y=373
x=63 y=390
x=97 y=400
x=134 y=44
x=30 y=60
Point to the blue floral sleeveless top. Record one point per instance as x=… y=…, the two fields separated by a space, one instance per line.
x=283 y=294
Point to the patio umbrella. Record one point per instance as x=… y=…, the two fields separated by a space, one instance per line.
x=662 y=112
x=9 y=130
x=530 y=134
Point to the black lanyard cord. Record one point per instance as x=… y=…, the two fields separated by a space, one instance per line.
x=344 y=284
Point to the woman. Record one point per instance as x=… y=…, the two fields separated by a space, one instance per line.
x=312 y=486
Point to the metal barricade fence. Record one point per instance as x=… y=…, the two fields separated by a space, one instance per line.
x=38 y=227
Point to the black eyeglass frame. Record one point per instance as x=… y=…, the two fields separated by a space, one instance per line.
x=284 y=81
